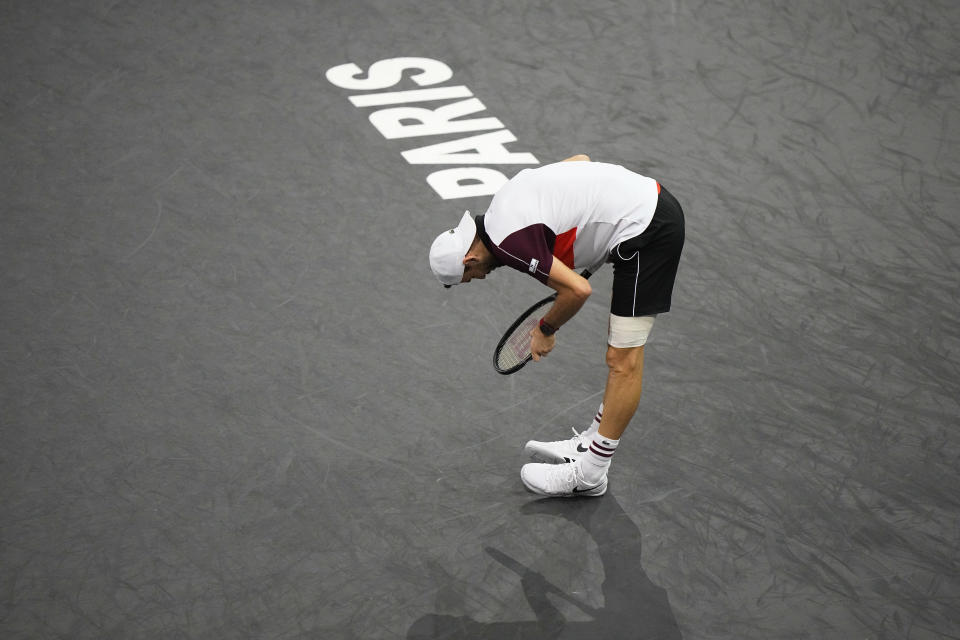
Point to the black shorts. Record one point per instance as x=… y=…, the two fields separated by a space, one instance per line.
x=645 y=267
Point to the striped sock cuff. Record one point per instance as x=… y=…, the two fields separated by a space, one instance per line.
x=603 y=447
x=597 y=418
x=595 y=425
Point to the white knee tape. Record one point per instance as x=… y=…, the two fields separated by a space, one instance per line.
x=629 y=332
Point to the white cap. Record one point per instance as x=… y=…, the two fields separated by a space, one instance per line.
x=449 y=249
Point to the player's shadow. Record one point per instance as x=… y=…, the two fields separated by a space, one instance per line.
x=633 y=606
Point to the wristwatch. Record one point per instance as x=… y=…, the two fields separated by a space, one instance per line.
x=546 y=329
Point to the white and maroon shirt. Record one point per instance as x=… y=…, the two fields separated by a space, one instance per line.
x=576 y=212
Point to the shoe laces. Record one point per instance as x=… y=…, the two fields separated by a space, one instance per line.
x=569 y=472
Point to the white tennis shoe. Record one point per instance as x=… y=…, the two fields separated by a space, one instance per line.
x=560 y=451
x=560 y=480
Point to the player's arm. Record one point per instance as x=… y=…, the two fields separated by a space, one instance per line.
x=580 y=157
x=572 y=291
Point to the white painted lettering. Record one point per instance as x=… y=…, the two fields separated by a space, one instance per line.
x=413 y=95
x=428 y=122
x=386 y=73
x=488 y=148
x=409 y=122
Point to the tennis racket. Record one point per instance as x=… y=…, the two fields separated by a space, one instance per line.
x=513 y=350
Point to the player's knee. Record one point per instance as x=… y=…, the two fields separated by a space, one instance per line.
x=625 y=360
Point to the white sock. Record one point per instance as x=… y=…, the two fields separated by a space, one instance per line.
x=595 y=464
x=592 y=429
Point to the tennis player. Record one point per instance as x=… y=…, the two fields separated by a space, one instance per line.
x=548 y=222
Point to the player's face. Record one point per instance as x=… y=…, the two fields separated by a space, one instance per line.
x=476 y=269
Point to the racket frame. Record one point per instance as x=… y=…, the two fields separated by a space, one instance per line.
x=509 y=333
x=516 y=323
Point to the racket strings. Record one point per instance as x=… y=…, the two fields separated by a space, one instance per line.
x=516 y=348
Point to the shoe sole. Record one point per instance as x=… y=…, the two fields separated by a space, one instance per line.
x=592 y=492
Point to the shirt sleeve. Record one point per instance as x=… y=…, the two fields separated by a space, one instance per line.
x=529 y=250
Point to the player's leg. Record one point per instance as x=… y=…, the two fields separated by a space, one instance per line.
x=624 y=388
x=587 y=475
x=621 y=396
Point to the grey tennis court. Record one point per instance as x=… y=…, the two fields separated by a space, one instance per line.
x=236 y=403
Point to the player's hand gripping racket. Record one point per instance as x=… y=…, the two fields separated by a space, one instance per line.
x=513 y=350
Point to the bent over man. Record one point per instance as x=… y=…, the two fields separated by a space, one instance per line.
x=548 y=222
